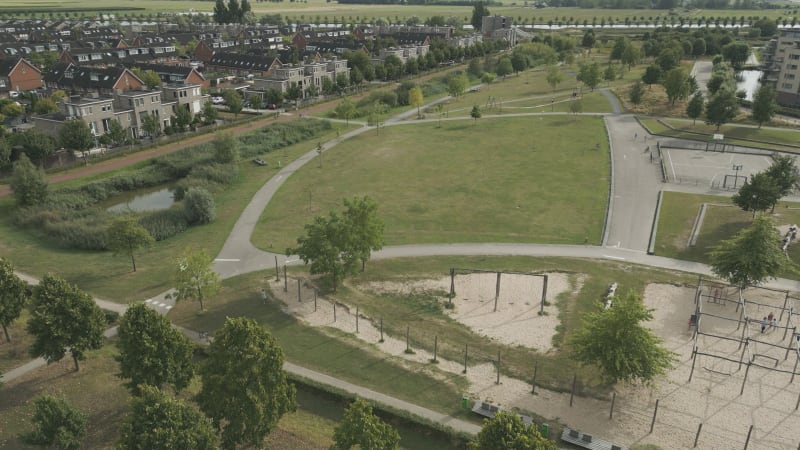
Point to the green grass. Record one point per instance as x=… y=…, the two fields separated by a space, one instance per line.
x=490 y=181
x=108 y=276
x=15 y=353
x=678 y=214
x=329 y=351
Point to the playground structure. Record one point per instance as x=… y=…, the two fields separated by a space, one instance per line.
x=460 y=271
x=764 y=336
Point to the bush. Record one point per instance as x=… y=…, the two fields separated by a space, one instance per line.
x=165 y=223
x=199 y=206
x=112 y=317
x=84 y=233
x=217 y=173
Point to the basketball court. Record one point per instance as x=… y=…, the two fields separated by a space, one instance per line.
x=716 y=170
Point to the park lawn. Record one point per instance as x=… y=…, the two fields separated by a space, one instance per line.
x=490 y=181
x=110 y=277
x=325 y=350
x=15 y=353
x=679 y=212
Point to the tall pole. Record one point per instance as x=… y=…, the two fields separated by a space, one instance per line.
x=653 y=422
x=497 y=291
x=277 y=273
x=285 y=280
x=736 y=168
x=452 y=285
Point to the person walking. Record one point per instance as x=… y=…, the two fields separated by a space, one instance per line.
x=764 y=324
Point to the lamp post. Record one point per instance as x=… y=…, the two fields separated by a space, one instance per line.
x=736 y=168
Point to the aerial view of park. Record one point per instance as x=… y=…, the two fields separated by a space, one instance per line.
x=392 y=224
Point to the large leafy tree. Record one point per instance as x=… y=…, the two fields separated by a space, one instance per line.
x=764 y=105
x=13 y=296
x=759 y=193
x=37 y=145
x=478 y=11
x=652 y=75
x=737 y=53
x=722 y=107
x=210 y=113
x=361 y=427
x=345 y=110
x=233 y=100
x=554 y=76
x=415 y=99
x=194 y=278
x=151 y=352
x=125 y=236
x=676 y=84
x=149 y=77
x=56 y=424
x=506 y=431
x=616 y=341
x=158 y=421
x=75 y=134
x=324 y=245
x=364 y=227
x=695 y=107
x=28 y=183
x=64 y=318
x=630 y=56
x=182 y=119
x=590 y=75
x=785 y=173
x=117 y=133
x=752 y=256
x=151 y=126
x=504 y=67
x=245 y=390
x=457 y=84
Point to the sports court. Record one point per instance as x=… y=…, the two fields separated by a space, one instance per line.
x=717 y=170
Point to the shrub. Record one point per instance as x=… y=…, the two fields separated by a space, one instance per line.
x=84 y=233
x=199 y=206
x=165 y=223
x=218 y=173
x=112 y=317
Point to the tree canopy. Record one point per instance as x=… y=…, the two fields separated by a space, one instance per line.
x=759 y=193
x=75 y=134
x=764 y=105
x=722 y=107
x=695 y=107
x=590 y=74
x=554 y=76
x=616 y=341
x=676 y=84
x=28 y=183
x=245 y=391
x=64 y=318
x=151 y=352
x=13 y=295
x=56 y=423
x=157 y=421
x=784 y=172
x=126 y=236
x=752 y=256
x=233 y=101
x=505 y=431
x=360 y=427
x=478 y=11
x=194 y=277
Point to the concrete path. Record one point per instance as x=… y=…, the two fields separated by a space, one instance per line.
x=701 y=70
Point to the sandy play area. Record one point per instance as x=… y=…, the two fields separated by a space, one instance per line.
x=711 y=398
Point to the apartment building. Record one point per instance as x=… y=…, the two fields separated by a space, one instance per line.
x=787 y=61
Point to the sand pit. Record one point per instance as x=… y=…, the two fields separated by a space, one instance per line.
x=711 y=398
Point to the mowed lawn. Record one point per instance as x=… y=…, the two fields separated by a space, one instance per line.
x=679 y=212
x=494 y=180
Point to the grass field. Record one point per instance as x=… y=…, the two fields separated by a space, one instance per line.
x=108 y=276
x=502 y=183
x=772 y=138
x=678 y=214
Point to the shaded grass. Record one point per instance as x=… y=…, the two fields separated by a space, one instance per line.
x=326 y=350
x=108 y=276
x=502 y=187
x=15 y=353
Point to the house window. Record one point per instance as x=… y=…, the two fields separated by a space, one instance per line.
x=787 y=85
x=794 y=56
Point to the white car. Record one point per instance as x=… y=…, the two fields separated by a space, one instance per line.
x=217 y=100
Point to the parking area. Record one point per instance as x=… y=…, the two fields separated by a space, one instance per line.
x=712 y=169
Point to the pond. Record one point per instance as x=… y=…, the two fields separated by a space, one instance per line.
x=747 y=80
x=150 y=201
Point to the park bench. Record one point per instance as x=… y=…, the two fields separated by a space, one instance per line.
x=584 y=440
x=489 y=410
x=259 y=162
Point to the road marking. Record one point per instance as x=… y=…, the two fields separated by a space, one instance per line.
x=149 y=300
x=168 y=307
x=161 y=305
x=614 y=257
x=669 y=155
x=227 y=260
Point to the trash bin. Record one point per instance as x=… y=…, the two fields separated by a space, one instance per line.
x=545 y=429
x=465 y=402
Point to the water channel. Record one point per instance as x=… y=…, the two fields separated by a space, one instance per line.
x=148 y=201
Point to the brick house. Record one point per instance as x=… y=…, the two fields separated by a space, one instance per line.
x=18 y=74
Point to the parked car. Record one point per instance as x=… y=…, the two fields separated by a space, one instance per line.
x=217 y=100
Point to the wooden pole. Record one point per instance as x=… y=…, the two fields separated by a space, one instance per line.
x=285 y=280
x=744 y=381
x=277 y=273
x=452 y=285
x=794 y=369
x=697 y=436
x=741 y=358
x=435 y=347
x=356 y=319
x=466 y=348
x=785 y=302
x=408 y=332
x=497 y=291
x=544 y=293
x=789 y=344
x=572 y=394
x=611 y=411
x=796 y=405
x=298 y=291
x=653 y=422
x=334 y=311
x=315 y=300
x=381 y=330
x=498 y=365
x=742 y=339
x=533 y=383
x=747 y=441
x=694 y=358
x=739 y=323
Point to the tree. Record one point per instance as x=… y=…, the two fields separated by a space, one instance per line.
x=64 y=318
x=364 y=227
x=676 y=84
x=588 y=40
x=619 y=47
x=126 y=236
x=504 y=67
x=554 y=77
x=294 y=93
x=28 y=183
x=457 y=84
x=342 y=83
x=759 y=193
x=245 y=391
x=736 y=53
x=479 y=10
x=226 y=148
x=151 y=352
x=13 y=296
x=221 y=12
x=615 y=341
x=182 y=119
x=233 y=101
x=36 y=144
x=722 y=107
x=415 y=98
x=210 y=113
x=56 y=424
x=637 y=92
x=117 y=133
x=519 y=62
x=651 y=75
x=75 y=134
x=784 y=172
x=199 y=206
x=576 y=106
x=475 y=113
x=752 y=256
x=159 y=421
x=764 y=105
x=488 y=78
x=695 y=107
x=325 y=246
x=589 y=74
x=45 y=106
x=149 y=77
x=507 y=431
x=698 y=47
x=194 y=278
x=345 y=110
x=630 y=56
x=151 y=126
x=360 y=427
x=610 y=74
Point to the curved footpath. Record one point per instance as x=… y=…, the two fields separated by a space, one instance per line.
x=631 y=207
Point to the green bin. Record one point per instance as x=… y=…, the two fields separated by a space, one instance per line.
x=545 y=429
x=465 y=402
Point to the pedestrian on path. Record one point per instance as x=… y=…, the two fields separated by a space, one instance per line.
x=763 y=324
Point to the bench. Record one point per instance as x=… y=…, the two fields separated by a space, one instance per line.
x=259 y=161
x=584 y=440
x=489 y=410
